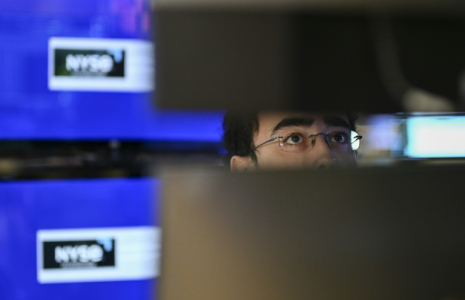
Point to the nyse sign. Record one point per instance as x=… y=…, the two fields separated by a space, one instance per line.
x=92 y=63
x=79 y=254
x=97 y=254
x=89 y=62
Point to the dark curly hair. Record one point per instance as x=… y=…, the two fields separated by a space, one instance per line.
x=238 y=135
x=239 y=130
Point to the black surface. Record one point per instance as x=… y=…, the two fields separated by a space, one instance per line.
x=304 y=60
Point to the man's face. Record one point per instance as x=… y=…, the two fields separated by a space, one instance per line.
x=297 y=126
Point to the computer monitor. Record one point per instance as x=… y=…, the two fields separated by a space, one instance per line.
x=84 y=72
x=387 y=233
x=434 y=136
x=79 y=238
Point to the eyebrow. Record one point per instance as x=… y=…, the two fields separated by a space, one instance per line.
x=307 y=121
x=295 y=121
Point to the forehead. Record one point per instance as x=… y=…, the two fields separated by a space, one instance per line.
x=268 y=120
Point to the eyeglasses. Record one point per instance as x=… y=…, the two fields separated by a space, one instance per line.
x=338 y=140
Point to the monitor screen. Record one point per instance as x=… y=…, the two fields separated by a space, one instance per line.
x=81 y=70
x=435 y=136
x=86 y=239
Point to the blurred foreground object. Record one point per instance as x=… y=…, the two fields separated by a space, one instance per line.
x=370 y=56
x=377 y=233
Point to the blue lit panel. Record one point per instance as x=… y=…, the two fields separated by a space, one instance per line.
x=435 y=137
x=31 y=212
x=37 y=102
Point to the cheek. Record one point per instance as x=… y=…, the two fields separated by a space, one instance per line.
x=347 y=159
x=279 y=159
x=270 y=155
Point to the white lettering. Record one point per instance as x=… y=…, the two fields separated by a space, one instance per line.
x=105 y=63
x=93 y=63
x=72 y=253
x=61 y=255
x=82 y=253
x=79 y=253
x=83 y=61
x=72 y=63
x=95 y=253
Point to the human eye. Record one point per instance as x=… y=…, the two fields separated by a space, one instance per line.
x=294 y=138
x=339 y=137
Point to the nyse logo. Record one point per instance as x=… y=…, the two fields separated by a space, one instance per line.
x=89 y=63
x=79 y=254
x=92 y=63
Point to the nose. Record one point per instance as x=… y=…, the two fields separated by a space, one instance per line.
x=323 y=156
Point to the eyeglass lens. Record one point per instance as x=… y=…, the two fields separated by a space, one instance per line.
x=337 y=140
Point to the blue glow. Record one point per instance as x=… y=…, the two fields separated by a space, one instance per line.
x=29 y=206
x=29 y=110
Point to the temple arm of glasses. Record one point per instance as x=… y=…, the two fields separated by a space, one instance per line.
x=270 y=140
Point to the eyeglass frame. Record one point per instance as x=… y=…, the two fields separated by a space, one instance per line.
x=313 y=136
